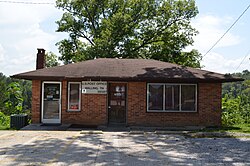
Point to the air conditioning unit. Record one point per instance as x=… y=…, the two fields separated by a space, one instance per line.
x=18 y=121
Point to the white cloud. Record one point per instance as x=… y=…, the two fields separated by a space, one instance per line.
x=35 y=37
x=22 y=14
x=222 y=64
x=24 y=28
x=211 y=28
x=1 y=54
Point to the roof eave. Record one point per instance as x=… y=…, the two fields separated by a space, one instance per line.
x=32 y=77
x=156 y=79
x=126 y=79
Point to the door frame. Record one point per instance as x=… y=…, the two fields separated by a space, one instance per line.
x=126 y=102
x=42 y=103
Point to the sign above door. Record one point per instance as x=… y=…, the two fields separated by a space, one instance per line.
x=94 y=87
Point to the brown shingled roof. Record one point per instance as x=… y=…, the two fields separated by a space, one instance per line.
x=106 y=69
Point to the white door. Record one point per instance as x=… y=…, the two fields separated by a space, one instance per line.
x=51 y=102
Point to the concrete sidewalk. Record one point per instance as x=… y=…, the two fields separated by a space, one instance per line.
x=61 y=127
x=42 y=127
x=190 y=131
x=119 y=148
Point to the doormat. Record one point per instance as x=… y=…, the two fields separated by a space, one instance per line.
x=82 y=126
x=50 y=124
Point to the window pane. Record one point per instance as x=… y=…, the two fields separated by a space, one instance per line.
x=188 y=97
x=155 y=99
x=172 y=97
x=74 y=101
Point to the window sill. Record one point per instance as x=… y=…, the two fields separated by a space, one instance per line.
x=73 y=110
x=158 y=111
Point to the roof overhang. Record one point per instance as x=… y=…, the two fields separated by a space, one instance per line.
x=129 y=79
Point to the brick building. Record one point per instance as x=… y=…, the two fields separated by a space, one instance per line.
x=133 y=92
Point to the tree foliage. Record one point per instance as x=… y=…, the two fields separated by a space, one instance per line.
x=236 y=100
x=14 y=102
x=2 y=90
x=51 y=60
x=5 y=89
x=4 y=121
x=150 y=29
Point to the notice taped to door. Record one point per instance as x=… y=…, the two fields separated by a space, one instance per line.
x=94 y=87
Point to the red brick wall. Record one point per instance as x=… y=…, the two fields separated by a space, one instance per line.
x=36 y=100
x=93 y=109
x=208 y=114
x=210 y=104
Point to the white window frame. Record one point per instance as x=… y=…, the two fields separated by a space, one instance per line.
x=80 y=95
x=164 y=95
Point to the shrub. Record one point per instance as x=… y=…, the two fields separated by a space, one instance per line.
x=232 y=111
x=14 y=102
x=4 y=120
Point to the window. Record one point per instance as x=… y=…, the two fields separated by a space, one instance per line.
x=74 y=96
x=156 y=97
x=171 y=97
x=188 y=96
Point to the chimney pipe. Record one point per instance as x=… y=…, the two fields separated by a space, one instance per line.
x=40 y=59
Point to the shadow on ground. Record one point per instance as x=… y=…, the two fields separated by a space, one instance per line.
x=122 y=148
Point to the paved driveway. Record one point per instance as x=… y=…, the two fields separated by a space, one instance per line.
x=119 y=148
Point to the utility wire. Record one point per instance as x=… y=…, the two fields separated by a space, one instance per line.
x=242 y=60
x=227 y=30
x=28 y=3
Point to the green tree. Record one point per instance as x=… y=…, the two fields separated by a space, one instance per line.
x=26 y=93
x=51 y=60
x=14 y=102
x=24 y=85
x=236 y=100
x=149 y=29
x=231 y=111
x=2 y=91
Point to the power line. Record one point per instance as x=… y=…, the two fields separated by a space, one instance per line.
x=242 y=60
x=227 y=31
x=28 y=3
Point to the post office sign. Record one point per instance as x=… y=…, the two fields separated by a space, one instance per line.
x=94 y=87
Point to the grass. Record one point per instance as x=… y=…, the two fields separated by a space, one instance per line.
x=240 y=128
x=2 y=127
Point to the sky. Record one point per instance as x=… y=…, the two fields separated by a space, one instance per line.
x=26 y=27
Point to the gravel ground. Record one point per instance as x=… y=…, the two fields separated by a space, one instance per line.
x=119 y=148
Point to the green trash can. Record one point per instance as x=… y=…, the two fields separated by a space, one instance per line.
x=18 y=121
